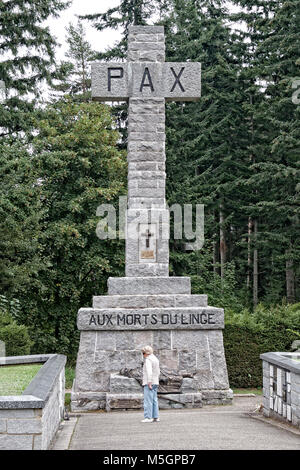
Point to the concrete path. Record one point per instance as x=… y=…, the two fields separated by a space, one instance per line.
x=231 y=427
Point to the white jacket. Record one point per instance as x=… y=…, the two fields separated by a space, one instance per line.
x=151 y=370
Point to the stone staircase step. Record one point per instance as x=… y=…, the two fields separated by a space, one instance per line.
x=149 y=301
x=148 y=285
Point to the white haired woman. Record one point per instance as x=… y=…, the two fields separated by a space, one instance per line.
x=151 y=373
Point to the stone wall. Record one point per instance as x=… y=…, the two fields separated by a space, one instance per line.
x=30 y=421
x=281 y=387
x=109 y=367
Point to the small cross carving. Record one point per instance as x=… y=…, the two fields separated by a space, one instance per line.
x=148 y=234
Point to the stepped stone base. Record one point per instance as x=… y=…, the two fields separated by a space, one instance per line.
x=185 y=333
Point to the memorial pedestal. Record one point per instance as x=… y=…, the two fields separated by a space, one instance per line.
x=185 y=333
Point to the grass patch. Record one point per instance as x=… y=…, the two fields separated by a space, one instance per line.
x=242 y=391
x=70 y=376
x=15 y=379
x=68 y=400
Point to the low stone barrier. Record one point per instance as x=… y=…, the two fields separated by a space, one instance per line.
x=30 y=421
x=281 y=386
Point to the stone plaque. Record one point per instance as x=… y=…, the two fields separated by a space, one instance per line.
x=175 y=81
x=147 y=242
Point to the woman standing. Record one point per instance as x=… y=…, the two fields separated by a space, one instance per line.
x=151 y=373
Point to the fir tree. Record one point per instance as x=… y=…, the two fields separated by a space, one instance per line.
x=76 y=71
x=27 y=50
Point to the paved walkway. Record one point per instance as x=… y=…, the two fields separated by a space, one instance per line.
x=230 y=427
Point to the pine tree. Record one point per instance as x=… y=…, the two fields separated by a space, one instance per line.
x=206 y=140
x=129 y=12
x=76 y=71
x=27 y=50
x=273 y=30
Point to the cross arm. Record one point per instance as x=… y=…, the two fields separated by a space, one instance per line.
x=175 y=81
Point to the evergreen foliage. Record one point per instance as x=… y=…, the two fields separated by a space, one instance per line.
x=27 y=57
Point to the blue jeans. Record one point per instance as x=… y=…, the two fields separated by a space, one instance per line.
x=150 y=402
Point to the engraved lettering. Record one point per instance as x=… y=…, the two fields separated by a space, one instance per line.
x=121 y=319
x=110 y=76
x=182 y=320
x=177 y=77
x=148 y=76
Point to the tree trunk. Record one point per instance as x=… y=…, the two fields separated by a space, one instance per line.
x=222 y=242
x=290 y=277
x=255 y=267
x=249 y=251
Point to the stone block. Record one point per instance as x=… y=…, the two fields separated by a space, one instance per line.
x=195 y=339
x=109 y=81
x=204 y=380
x=124 y=340
x=2 y=424
x=146 y=203
x=116 y=360
x=203 y=360
x=146 y=158
x=87 y=343
x=146 y=146
x=87 y=405
x=147 y=269
x=124 y=401
x=187 y=360
x=189 y=385
x=145 y=119
x=119 y=301
x=189 y=76
x=133 y=359
x=8 y=442
x=184 y=400
x=146 y=175
x=160 y=301
x=17 y=413
x=190 y=300
x=24 y=426
x=168 y=359
x=147 y=165
x=134 y=30
x=148 y=285
x=144 y=191
x=141 y=339
x=100 y=360
x=218 y=362
x=38 y=442
x=147 y=136
x=120 y=384
x=99 y=381
x=173 y=81
x=161 y=340
x=105 y=341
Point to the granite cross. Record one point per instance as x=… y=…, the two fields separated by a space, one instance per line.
x=146 y=81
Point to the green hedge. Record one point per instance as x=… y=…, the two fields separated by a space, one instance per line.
x=247 y=335
x=16 y=337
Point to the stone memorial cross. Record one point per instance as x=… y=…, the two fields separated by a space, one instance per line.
x=146 y=81
x=147 y=306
